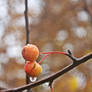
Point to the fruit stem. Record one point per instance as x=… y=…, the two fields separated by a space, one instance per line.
x=51 y=88
x=53 y=52
x=43 y=58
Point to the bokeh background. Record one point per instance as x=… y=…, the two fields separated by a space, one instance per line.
x=55 y=25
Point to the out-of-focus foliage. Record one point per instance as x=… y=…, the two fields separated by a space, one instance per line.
x=54 y=25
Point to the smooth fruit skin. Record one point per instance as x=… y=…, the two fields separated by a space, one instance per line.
x=33 y=69
x=30 y=52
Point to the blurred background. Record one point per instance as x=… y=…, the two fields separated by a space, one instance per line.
x=55 y=25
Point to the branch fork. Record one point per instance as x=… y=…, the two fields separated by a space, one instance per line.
x=51 y=78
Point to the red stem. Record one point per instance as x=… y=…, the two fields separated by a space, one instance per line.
x=43 y=58
x=51 y=88
x=53 y=52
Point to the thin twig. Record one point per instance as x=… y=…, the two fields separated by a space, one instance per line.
x=27 y=34
x=50 y=84
x=88 y=8
x=76 y=62
x=26 y=21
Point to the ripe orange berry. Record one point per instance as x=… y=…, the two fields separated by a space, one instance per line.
x=30 y=52
x=33 y=69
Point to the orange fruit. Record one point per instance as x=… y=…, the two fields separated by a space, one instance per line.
x=30 y=52
x=33 y=69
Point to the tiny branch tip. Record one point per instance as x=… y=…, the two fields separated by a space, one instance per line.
x=69 y=52
x=50 y=84
x=51 y=88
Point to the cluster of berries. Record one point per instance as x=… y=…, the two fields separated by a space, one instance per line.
x=30 y=53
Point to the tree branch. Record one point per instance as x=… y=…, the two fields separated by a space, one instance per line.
x=51 y=78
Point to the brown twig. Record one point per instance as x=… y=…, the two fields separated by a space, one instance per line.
x=27 y=34
x=26 y=21
x=51 y=78
x=27 y=31
x=50 y=84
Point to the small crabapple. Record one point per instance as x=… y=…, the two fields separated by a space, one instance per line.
x=33 y=69
x=30 y=52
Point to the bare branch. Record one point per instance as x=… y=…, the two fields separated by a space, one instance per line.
x=51 y=78
x=27 y=33
x=26 y=21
